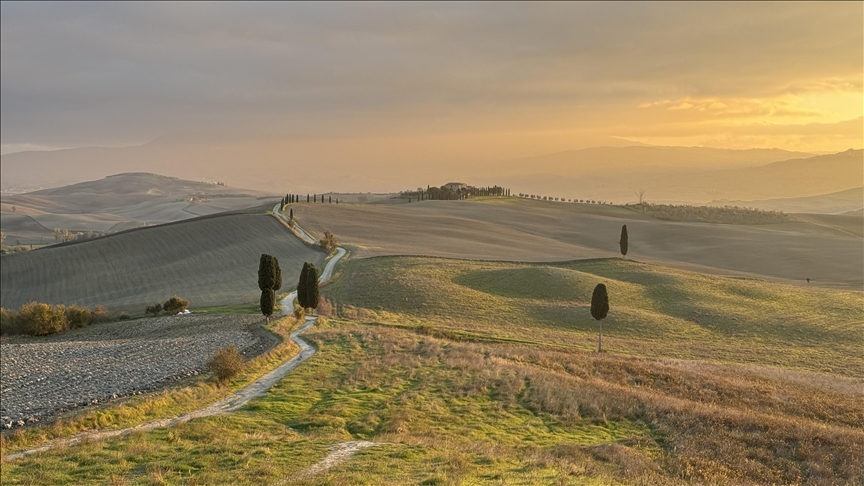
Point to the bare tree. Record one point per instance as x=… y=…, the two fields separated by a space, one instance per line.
x=640 y=194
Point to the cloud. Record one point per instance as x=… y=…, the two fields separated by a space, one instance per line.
x=121 y=73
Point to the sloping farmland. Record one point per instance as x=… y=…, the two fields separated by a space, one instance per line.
x=211 y=260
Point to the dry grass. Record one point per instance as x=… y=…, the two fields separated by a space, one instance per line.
x=637 y=421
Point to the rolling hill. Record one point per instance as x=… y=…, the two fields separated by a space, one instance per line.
x=833 y=203
x=212 y=260
x=528 y=230
x=116 y=203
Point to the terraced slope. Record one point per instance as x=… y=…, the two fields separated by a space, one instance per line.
x=210 y=261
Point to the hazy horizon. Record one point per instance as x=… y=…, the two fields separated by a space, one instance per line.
x=404 y=86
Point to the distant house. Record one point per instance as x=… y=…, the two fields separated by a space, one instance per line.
x=455 y=186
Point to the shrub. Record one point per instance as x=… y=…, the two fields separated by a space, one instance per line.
x=226 y=363
x=325 y=308
x=154 y=309
x=299 y=313
x=175 y=304
x=8 y=322
x=39 y=319
x=77 y=316
x=123 y=316
x=328 y=242
x=99 y=314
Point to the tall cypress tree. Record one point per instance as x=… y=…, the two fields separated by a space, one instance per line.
x=623 y=241
x=277 y=274
x=312 y=295
x=265 y=272
x=268 y=302
x=302 y=286
x=269 y=280
x=599 y=309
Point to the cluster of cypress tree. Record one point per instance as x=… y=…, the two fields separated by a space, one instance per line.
x=269 y=281
x=307 y=287
x=294 y=198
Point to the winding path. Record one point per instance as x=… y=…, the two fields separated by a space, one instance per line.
x=227 y=404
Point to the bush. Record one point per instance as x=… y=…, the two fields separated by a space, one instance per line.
x=299 y=313
x=175 y=304
x=40 y=319
x=325 y=308
x=328 y=242
x=77 y=316
x=226 y=363
x=8 y=322
x=154 y=309
x=99 y=314
x=123 y=316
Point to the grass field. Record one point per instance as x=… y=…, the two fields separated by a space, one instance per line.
x=211 y=261
x=516 y=229
x=655 y=311
x=474 y=372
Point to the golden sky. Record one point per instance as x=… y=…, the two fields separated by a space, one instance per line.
x=396 y=82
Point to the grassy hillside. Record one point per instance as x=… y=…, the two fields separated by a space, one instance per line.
x=529 y=230
x=210 y=261
x=655 y=311
x=478 y=372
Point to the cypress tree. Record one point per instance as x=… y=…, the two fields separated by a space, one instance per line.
x=301 y=285
x=623 y=241
x=291 y=212
x=265 y=272
x=277 y=274
x=312 y=295
x=329 y=199
x=307 y=197
x=268 y=302
x=599 y=309
x=269 y=280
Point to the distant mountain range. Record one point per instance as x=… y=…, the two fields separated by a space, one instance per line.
x=797 y=177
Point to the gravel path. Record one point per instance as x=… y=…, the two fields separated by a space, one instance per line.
x=40 y=377
x=339 y=453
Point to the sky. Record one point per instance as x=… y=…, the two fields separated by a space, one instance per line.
x=429 y=81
